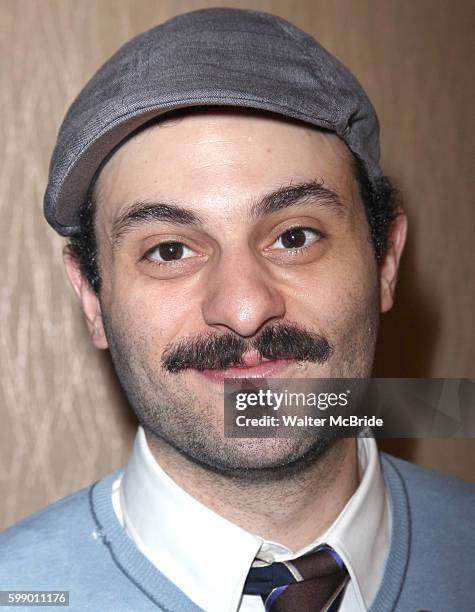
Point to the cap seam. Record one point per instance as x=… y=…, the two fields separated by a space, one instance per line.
x=286 y=30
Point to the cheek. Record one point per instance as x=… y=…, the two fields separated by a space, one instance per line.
x=152 y=314
x=339 y=295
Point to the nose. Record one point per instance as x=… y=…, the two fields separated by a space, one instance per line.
x=241 y=296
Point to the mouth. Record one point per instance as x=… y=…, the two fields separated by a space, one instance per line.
x=253 y=366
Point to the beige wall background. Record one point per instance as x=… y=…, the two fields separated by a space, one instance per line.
x=63 y=420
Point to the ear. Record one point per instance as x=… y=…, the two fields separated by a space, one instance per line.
x=389 y=265
x=87 y=297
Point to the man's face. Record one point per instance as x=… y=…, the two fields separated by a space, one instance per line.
x=251 y=248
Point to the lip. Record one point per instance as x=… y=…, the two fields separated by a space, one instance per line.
x=252 y=368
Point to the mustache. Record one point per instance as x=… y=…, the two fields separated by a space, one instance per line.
x=226 y=350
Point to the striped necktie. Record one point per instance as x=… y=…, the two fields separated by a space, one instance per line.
x=311 y=583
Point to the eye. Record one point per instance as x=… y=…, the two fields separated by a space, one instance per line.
x=296 y=238
x=168 y=252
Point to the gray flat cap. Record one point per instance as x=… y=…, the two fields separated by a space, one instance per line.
x=216 y=56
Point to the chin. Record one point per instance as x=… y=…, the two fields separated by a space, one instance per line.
x=261 y=459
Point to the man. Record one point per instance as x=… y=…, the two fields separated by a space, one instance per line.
x=219 y=179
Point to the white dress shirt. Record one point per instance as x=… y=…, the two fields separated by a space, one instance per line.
x=197 y=549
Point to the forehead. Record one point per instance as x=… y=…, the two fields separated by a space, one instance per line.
x=220 y=157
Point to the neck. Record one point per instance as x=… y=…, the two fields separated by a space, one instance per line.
x=292 y=512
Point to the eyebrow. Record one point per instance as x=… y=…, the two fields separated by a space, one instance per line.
x=142 y=212
x=310 y=193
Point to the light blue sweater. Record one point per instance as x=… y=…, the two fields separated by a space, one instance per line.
x=78 y=545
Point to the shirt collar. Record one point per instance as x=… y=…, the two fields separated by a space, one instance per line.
x=197 y=548
x=361 y=533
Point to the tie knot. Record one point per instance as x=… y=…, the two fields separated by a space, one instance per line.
x=309 y=583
